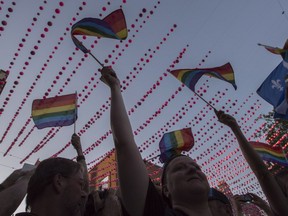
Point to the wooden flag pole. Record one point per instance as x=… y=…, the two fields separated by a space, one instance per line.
x=88 y=51
x=205 y=101
x=75 y=113
x=96 y=59
x=152 y=158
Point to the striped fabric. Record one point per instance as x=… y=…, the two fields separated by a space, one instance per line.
x=55 y=111
x=112 y=26
x=269 y=153
x=174 y=142
x=191 y=76
x=278 y=51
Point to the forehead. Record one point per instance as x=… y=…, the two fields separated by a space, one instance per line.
x=181 y=160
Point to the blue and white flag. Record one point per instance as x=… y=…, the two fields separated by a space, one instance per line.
x=273 y=90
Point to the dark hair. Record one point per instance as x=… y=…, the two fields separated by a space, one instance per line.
x=45 y=173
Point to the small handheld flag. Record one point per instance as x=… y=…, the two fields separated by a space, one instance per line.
x=175 y=142
x=112 y=26
x=55 y=111
x=276 y=50
x=191 y=76
x=273 y=90
x=269 y=153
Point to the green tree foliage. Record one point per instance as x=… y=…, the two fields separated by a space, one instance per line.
x=276 y=130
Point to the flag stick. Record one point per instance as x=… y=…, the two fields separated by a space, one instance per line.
x=96 y=59
x=263 y=45
x=75 y=112
x=88 y=51
x=205 y=101
x=259 y=44
x=149 y=159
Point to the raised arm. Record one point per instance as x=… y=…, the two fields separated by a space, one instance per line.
x=11 y=179
x=270 y=187
x=12 y=196
x=132 y=172
x=76 y=142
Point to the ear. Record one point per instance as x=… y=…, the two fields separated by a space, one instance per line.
x=165 y=191
x=58 y=183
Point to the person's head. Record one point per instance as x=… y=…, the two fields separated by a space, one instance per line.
x=282 y=180
x=219 y=204
x=57 y=179
x=183 y=181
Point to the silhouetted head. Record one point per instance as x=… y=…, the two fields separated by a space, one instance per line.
x=58 y=178
x=183 y=180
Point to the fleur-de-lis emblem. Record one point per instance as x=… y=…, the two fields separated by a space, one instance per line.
x=277 y=84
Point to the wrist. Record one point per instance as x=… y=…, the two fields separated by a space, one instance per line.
x=234 y=127
x=80 y=157
x=115 y=86
x=79 y=151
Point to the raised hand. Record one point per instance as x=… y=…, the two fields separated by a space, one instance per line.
x=109 y=77
x=75 y=140
x=226 y=119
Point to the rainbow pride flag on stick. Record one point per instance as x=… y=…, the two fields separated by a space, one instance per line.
x=277 y=50
x=112 y=26
x=191 y=76
x=175 y=142
x=55 y=111
x=271 y=154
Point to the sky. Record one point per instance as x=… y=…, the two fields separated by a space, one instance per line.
x=37 y=50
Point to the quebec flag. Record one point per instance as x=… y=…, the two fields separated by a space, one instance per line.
x=273 y=90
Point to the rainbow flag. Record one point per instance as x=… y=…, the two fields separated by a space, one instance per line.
x=269 y=153
x=175 y=142
x=112 y=26
x=191 y=76
x=274 y=50
x=55 y=111
x=277 y=50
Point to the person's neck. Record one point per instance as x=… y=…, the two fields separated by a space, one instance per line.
x=201 y=209
x=46 y=208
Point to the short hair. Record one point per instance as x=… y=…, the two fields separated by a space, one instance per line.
x=44 y=174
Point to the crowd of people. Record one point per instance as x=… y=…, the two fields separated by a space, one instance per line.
x=60 y=187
